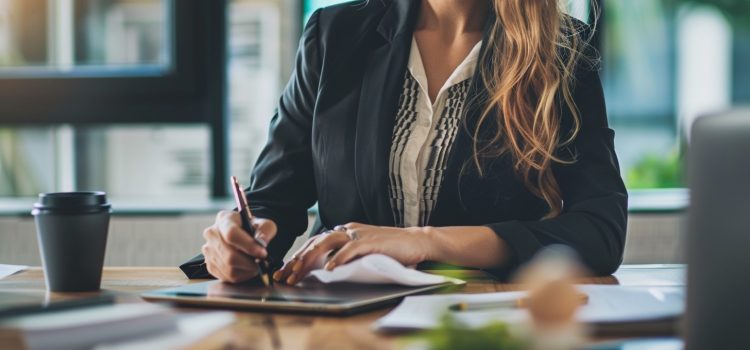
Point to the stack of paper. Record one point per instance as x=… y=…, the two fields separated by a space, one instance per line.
x=607 y=305
x=87 y=327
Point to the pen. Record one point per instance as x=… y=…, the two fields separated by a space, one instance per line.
x=246 y=216
x=583 y=299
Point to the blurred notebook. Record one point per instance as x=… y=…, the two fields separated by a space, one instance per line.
x=9 y=270
x=18 y=304
x=84 y=328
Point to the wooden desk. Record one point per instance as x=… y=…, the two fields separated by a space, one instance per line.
x=251 y=329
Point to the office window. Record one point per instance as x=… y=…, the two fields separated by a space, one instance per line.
x=254 y=78
x=638 y=58
x=118 y=95
x=66 y=36
x=145 y=160
x=155 y=160
x=61 y=38
x=27 y=160
x=181 y=154
x=665 y=63
x=175 y=161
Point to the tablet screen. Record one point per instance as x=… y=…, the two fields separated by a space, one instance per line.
x=309 y=291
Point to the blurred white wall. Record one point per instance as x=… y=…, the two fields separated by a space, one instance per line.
x=704 y=64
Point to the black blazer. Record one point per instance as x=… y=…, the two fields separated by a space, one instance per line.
x=330 y=141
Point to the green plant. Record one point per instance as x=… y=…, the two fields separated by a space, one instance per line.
x=452 y=334
x=654 y=171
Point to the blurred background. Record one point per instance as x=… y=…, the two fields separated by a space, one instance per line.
x=155 y=100
x=664 y=63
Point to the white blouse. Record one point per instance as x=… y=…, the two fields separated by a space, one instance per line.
x=423 y=135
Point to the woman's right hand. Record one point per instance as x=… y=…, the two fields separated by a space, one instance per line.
x=230 y=251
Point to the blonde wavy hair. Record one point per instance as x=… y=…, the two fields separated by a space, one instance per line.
x=534 y=48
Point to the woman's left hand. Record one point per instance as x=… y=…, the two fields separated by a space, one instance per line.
x=409 y=246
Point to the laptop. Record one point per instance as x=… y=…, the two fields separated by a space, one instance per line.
x=308 y=296
x=718 y=234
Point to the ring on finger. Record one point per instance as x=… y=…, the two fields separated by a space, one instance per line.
x=353 y=235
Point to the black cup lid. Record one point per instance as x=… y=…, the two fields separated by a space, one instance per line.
x=67 y=201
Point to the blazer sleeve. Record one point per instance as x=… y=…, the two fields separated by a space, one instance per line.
x=594 y=217
x=283 y=184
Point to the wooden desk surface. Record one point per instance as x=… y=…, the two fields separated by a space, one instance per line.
x=251 y=329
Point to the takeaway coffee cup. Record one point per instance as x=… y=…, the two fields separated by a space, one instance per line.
x=72 y=232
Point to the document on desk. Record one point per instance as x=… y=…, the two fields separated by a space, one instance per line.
x=82 y=328
x=380 y=269
x=120 y=326
x=606 y=305
x=8 y=270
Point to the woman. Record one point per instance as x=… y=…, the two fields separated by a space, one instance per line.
x=471 y=133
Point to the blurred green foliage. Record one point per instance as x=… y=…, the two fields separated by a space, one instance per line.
x=452 y=335
x=657 y=171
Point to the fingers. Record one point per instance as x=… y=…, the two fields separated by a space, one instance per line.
x=228 y=274
x=349 y=252
x=351 y=226
x=315 y=254
x=224 y=261
x=314 y=251
x=283 y=273
x=312 y=255
x=211 y=264
x=265 y=229
x=230 y=251
x=229 y=226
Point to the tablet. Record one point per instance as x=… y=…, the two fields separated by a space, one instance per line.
x=308 y=296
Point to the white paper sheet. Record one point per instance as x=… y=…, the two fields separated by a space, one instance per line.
x=379 y=269
x=607 y=304
x=8 y=270
x=119 y=326
x=84 y=327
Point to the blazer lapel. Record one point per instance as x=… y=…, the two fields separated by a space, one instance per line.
x=382 y=83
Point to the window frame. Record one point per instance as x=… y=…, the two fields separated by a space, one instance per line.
x=177 y=95
x=192 y=91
